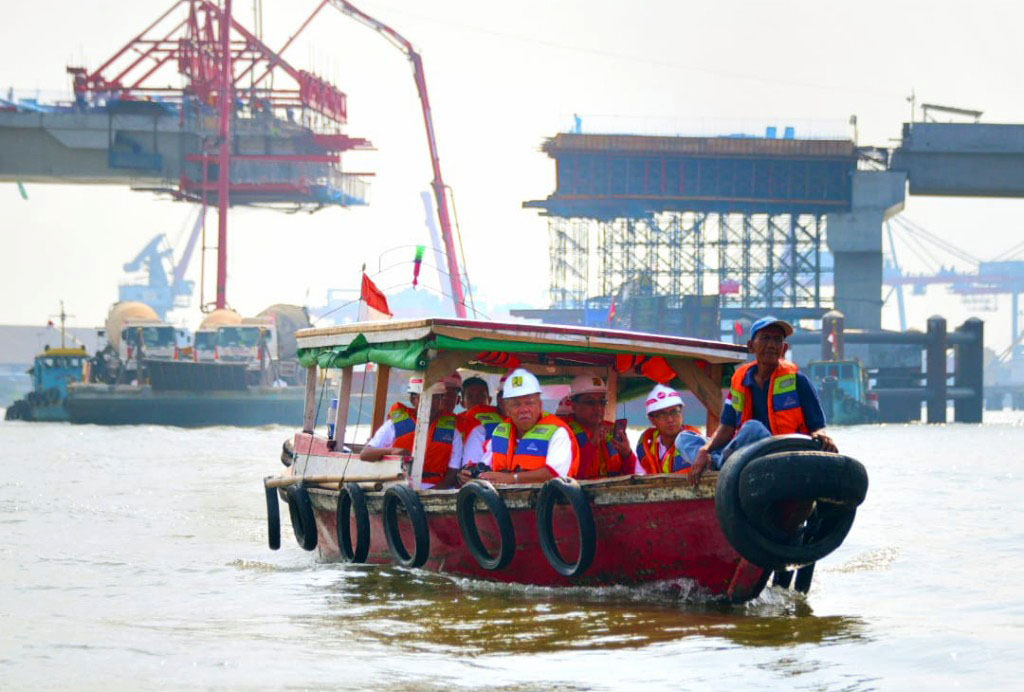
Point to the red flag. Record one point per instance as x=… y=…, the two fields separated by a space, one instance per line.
x=373 y=297
x=612 y=312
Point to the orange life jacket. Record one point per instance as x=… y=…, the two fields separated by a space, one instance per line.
x=484 y=414
x=404 y=419
x=607 y=461
x=439 y=449
x=785 y=415
x=531 y=450
x=653 y=462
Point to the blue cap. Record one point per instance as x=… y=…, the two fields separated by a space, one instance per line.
x=786 y=327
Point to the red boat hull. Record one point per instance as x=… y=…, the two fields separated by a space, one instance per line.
x=637 y=542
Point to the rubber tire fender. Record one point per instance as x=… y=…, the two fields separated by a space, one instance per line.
x=406 y=497
x=287 y=453
x=833 y=478
x=841 y=488
x=352 y=498
x=465 y=510
x=731 y=518
x=569 y=490
x=300 y=507
x=273 y=518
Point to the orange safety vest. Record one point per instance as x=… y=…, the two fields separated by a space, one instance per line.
x=672 y=462
x=439 y=445
x=609 y=463
x=439 y=449
x=484 y=414
x=531 y=450
x=785 y=415
x=404 y=419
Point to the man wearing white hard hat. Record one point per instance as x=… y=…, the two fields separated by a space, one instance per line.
x=657 y=450
x=602 y=452
x=397 y=434
x=530 y=446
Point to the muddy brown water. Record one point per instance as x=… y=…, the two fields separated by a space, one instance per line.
x=136 y=558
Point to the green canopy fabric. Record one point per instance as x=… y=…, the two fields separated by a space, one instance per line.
x=413 y=355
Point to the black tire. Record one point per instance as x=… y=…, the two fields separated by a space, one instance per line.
x=351 y=498
x=300 y=507
x=465 y=509
x=823 y=476
x=273 y=518
x=739 y=529
x=406 y=497
x=569 y=491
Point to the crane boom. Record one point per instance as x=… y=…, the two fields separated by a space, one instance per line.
x=400 y=42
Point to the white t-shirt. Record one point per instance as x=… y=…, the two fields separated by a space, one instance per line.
x=559 y=457
x=385 y=437
x=475 y=450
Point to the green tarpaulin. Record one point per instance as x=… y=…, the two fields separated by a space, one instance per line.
x=412 y=355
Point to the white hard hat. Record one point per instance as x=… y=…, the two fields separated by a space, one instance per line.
x=520 y=382
x=662 y=397
x=588 y=384
x=415 y=384
x=564 y=406
x=453 y=381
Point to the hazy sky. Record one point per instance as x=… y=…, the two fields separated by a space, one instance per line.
x=502 y=77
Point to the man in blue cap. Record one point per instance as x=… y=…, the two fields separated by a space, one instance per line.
x=768 y=396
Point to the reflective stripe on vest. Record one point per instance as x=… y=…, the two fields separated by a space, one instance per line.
x=530 y=451
x=403 y=418
x=785 y=415
x=439 y=449
x=672 y=462
x=484 y=414
x=608 y=460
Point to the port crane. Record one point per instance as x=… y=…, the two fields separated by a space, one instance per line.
x=165 y=287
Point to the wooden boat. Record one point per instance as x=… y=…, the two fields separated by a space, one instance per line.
x=723 y=536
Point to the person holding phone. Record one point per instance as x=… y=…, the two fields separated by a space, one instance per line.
x=604 y=447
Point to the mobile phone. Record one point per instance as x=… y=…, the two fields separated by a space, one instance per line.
x=620 y=428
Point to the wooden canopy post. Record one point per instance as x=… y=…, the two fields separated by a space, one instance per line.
x=441 y=366
x=707 y=390
x=344 y=397
x=612 y=380
x=380 y=397
x=309 y=412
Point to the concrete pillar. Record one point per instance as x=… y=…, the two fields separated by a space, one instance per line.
x=969 y=372
x=833 y=342
x=935 y=372
x=855 y=240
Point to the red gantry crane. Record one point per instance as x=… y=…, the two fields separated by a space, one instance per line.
x=243 y=138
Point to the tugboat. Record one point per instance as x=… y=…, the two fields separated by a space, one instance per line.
x=52 y=371
x=777 y=505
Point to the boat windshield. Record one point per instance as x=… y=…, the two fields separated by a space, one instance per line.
x=206 y=340
x=239 y=336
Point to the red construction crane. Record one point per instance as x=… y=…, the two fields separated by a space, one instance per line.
x=400 y=42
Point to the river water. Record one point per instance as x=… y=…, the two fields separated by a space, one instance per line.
x=136 y=558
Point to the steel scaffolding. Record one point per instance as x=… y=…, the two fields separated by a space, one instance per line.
x=762 y=260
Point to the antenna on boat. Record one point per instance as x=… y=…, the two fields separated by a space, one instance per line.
x=63 y=316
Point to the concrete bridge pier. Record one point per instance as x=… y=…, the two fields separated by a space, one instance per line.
x=855 y=239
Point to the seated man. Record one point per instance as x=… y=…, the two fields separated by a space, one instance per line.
x=397 y=434
x=657 y=450
x=602 y=453
x=532 y=446
x=768 y=396
x=478 y=421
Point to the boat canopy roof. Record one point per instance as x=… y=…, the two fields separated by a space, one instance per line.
x=412 y=344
